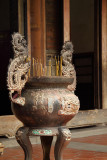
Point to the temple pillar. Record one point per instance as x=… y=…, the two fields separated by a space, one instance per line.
x=104 y=54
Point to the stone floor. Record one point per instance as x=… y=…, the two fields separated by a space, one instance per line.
x=86 y=144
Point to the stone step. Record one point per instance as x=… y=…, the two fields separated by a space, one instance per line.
x=9 y=125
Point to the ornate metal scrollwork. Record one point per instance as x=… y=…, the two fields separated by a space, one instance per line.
x=18 y=69
x=68 y=69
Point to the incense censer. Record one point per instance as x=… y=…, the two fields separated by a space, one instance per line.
x=44 y=104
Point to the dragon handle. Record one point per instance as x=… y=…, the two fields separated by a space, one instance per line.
x=68 y=69
x=18 y=69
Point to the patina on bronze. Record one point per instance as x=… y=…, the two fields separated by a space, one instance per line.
x=43 y=104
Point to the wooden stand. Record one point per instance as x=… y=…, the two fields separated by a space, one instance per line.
x=46 y=135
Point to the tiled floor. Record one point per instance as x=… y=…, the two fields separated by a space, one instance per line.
x=98 y=139
x=87 y=148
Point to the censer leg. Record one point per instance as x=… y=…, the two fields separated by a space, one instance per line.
x=46 y=142
x=62 y=141
x=23 y=140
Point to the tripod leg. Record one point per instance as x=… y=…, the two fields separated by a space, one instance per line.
x=23 y=140
x=62 y=141
x=46 y=142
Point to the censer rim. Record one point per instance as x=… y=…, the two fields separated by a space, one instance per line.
x=52 y=79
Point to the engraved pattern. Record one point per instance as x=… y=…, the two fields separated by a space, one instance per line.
x=66 y=133
x=70 y=105
x=67 y=101
x=42 y=132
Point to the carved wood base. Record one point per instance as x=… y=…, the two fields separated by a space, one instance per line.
x=46 y=135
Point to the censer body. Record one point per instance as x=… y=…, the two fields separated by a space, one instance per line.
x=48 y=103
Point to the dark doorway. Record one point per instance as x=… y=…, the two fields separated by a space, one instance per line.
x=84 y=15
x=8 y=25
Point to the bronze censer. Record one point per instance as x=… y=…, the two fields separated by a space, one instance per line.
x=44 y=104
